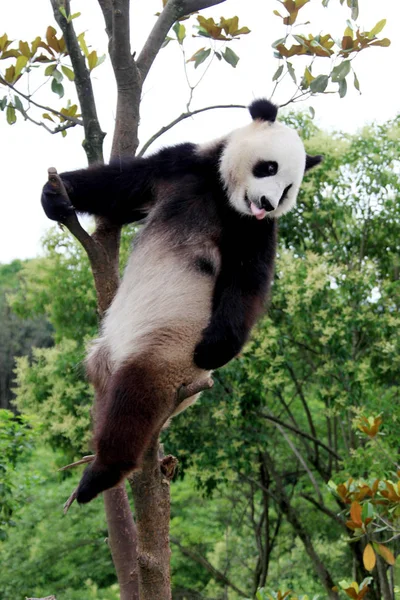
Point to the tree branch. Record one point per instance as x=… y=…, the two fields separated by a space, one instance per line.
x=321 y=507
x=106 y=7
x=93 y=143
x=217 y=575
x=174 y=10
x=182 y=117
x=301 y=460
x=73 y=120
x=302 y=433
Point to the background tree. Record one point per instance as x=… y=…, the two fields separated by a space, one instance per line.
x=103 y=246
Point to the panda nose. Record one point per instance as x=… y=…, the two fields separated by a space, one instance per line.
x=266 y=204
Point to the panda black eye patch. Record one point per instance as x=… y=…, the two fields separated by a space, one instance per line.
x=265 y=168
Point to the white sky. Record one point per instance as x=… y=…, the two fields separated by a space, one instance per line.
x=26 y=151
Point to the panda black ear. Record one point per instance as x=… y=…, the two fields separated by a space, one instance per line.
x=263 y=110
x=313 y=161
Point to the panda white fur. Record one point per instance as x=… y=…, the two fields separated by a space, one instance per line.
x=196 y=280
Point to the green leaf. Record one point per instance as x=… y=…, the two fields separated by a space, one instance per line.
x=48 y=117
x=342 y=88
x=341 y=71
x=319 y=84
x=167 y=40
x=230 y=57
x=199 y=56
x=291 y=71
x=92 y=60
x=58 y=76
x=3 y=103
x=63 y=12
x=377 y=29
x=22 y=61
x=312 y=114
x=49 y=70
x=18 y=104
x=354 y=9
x=277 y=73
x=75 y=16
x=385 y=42
x=68 y=73
x=57 y=88
x=11 y=116
x=82 y=44
x=180 y=31
x=356 y=83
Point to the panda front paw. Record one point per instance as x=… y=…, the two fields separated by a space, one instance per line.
x=56 y=206
x=212 y=353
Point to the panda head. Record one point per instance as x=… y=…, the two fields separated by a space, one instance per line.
x=262 y=164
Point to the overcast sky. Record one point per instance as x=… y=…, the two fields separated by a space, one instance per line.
x=26 y=151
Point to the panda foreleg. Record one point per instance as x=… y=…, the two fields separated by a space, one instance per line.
x=136 y=405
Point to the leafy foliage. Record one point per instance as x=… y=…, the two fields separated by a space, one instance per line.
x=15 y=445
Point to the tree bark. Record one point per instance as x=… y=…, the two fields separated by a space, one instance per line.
x=151 y=492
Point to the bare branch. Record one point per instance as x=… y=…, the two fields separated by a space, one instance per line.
x=297 y=453
x=70 y=501
x=94 y=136
x=174 y=10
x=182 y=117
x=191 y=6
x=41 y=124
x=72 y=222
x=106 y=7
x=302 y=433
x=86 y=459
x=73 y=120
x=321 y=506
x=217 y=575
x=186 y=391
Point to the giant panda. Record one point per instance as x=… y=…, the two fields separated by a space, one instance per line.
x=197 y=278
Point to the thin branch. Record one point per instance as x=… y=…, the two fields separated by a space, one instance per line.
x=70 y=501
x=52 y=110
x=174 y=10
x=302 y=433
x=301 y=460
x=217 y=575
x=72 y=222
x=182 y=117
x=58 y=129
x=106 y=7
x=191 y=6
x=186 y=391
x=86 y=459
x=321 y=507
x=93 y=143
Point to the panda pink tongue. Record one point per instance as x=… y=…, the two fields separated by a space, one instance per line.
x=259 y=213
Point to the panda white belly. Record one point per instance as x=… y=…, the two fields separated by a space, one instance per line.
x=161 y=307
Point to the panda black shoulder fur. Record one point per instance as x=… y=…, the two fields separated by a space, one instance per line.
x=196 y=280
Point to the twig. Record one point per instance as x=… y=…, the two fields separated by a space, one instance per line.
x=174 y=10
x=182 y=117
x=70 y=501
x=186 y=391
x=86 y=459
x=93 y=143
x=217 y=575
x=302 y=433
x=71 y=222
x=52 y=110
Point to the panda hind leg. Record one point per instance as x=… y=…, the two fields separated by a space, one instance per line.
x=138 y=400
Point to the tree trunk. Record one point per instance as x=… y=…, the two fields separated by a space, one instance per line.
x=151 y=492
